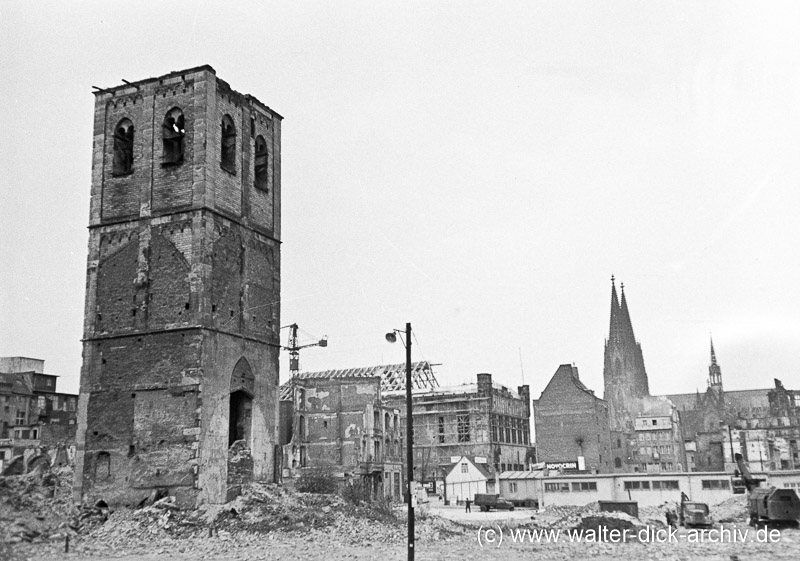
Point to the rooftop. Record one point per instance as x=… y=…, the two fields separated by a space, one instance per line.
x=393 y=377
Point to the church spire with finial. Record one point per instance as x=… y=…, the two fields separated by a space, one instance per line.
x=714 y=371
x=614 y=322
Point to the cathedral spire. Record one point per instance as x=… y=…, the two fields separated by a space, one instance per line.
x=627 y=326
x=613 y=327
x=624 y=375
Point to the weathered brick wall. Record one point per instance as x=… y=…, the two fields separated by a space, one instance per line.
x=571 y=422
x=183 y=282
x=121 y=195
x=57 y=434
x=168 y=300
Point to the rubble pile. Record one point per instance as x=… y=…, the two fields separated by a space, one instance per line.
x=731 y=510
x=36 y=506
x=42 y=517
x=563 y=517
x=656 y=515
x=583 y=518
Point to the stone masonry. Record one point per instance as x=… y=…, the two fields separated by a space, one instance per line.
x=180 y=349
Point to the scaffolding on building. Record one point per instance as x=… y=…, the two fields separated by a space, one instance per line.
x=393 y=377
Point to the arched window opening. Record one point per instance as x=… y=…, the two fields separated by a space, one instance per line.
x=240 y=418
x=301 y=427
x=123 y=148
x=172 y=132
x=387 y=424
x=303 y=458
x=617 y=463
x=228 y=156
x=261 y=171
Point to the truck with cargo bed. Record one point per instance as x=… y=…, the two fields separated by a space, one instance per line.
x=487 y=502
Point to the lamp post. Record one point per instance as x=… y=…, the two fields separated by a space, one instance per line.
x=391 y=337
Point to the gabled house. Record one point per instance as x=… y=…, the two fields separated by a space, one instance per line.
x=572 y=423
x=468 y=476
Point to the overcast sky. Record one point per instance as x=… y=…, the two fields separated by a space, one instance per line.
x=479 y=169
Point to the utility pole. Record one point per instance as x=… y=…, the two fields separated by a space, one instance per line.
x=409 y=445
x=410 y=492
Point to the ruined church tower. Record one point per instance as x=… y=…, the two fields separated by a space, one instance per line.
x=179 y=381
x=624 y=376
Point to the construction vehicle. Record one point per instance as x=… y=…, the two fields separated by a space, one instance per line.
x=768 y=505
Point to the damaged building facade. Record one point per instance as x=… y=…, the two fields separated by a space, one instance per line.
x=355 y=421
x=761 y=424
x=340 y=423
x=484 y=420
x=37 y=423
x=180 y=349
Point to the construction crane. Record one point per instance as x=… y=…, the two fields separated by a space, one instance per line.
x=294 y=348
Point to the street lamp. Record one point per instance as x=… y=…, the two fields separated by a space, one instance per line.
x=392 y=338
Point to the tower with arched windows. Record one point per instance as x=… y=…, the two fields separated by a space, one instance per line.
x=180 y=348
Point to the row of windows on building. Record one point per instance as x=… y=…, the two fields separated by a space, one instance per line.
x=173 y=133
x=21 y=415
x=389 y=421
x=392 y=448
x=509 y=430
x=654 y=435
x=503 y=467
x=577 y=486
x=650 y=450
x=668 y=485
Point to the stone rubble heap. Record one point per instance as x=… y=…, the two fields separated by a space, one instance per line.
x=42 y=517
x=36 y=506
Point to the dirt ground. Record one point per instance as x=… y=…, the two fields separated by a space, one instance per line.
x=315 y=545
x=271 y=522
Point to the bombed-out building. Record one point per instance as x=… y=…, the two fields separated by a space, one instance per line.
x=761 y=424
x=484 y=419
x=37 y=423
x=180 y=347
x=338 y=422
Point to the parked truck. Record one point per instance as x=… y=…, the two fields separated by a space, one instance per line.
x=487 y=502
x=768 y=504
x=695 y=515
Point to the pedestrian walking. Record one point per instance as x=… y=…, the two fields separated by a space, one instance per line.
x=469 y=502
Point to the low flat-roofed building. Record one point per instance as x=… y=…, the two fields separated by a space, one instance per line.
x=647 y=489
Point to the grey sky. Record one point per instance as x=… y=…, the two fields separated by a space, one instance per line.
x=478 y=169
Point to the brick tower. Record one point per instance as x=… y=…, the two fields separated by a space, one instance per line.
x=180 y=347
x=624 y=375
